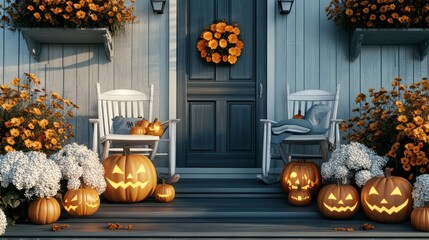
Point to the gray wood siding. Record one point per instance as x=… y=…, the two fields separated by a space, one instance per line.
x=310 y=52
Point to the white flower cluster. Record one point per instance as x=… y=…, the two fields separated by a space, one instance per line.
x=3 y=222
x=81 y=167
x=421 y=190
x=353 y=160
x=32 y=172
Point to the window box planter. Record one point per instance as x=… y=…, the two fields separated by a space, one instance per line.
x=36 y=37
x=408 y=36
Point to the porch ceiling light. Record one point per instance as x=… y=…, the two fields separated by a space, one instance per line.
x=158 y=6
x=285 y=6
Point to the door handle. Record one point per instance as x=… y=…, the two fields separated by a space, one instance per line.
x=261 y=90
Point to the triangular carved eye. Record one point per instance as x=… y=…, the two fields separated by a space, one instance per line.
x=349 y=197
x=117 y=170
x=142 y=169
x=373 y=191
x=75 y=198
x=332 y=197
x=396 y=191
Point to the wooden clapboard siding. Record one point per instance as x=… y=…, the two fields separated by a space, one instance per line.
x=310 y=52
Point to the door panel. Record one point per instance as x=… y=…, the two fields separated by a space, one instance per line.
x=220 y=105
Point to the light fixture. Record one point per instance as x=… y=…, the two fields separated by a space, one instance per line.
x=285 y=6
x=158 y=6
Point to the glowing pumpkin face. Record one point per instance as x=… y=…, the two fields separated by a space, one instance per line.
x=81 y=202
x=305 y=174
x=129 y=177
x=155 y=128
x=299 y=197
x=338 y=201
x=164 y=192
x=387 y=199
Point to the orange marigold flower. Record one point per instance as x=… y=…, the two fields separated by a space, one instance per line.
x=349 y=12
x=80 y=14
x=365 y=10
x=9 y=148
x=213 y=44
x=217 y=35
x=37 y=16
x=239 y=44
x=232 y=38
x=77 y=6
x=203 y=54
x=30 y=8
x=225 y=58
x=220 y=27
x=403 y=119
x=236 y=31
x=201 y=44
x=69 y=9
x=207 y=35
x=232 y=59
x=229 y=28
x=418 y=120
x=223 y=43
x=216 y=58
x=208 y=59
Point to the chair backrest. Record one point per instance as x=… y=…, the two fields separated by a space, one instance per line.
x=124 y=103
x=305 y=99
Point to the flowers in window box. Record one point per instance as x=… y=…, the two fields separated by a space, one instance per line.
x=353 y=161
x=351 y=14
x=395 y=124
x=80 y=167
x=220 y=43
x=111 y=14
x=31 y=119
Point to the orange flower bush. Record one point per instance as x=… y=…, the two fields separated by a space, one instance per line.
x=395 y=123
x=111 y=14
x=32 y=119
x=220 y=43
x=351 y=14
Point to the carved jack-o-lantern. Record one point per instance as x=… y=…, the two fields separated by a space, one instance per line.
x=305 y=174
x=129 y=177
x=164 y=192
x=387 y=198
x=81 y=202
x=299 y=197
x=338 y=200
x=155 y=128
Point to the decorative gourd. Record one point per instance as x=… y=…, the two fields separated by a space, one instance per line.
x=306 y=174
x=387 y=198
x=129 y=177
x=420 y=218
x=44 y=210
x=81 y=202
x=298 y=115
x=299 y=197
x=164 y=192
x=338 y=201
x=138 y=130
x=155 y=128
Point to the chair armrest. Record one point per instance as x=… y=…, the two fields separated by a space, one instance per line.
x=335 y=138
x=94 y=122
x=267 y=121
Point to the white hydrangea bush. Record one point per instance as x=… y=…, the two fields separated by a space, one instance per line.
x=421 y=190
x=31 y=172
x=353 y=161
x=81 y=167
x=3 y=222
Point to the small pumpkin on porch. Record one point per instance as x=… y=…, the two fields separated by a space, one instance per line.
x=164 y=192
x=338 y=201
x=155 y=128
x=142 y=123
x=81 y=202
x=387 y=198
x=420 y=217
x=305 y=174
x=129 y=177
x=44 y=210
x=299 y=197
x=298 y=115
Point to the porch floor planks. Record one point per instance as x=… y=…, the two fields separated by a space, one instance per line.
x=214 y=208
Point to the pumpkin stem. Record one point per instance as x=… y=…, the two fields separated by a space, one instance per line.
x=155 y=120
x=163 y=182
x=339 y=182
x=387 y=172
x=126 y=151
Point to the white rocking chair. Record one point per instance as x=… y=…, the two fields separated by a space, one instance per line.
x=130 y=104
x=297 y=102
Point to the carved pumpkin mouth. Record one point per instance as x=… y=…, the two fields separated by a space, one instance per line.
x=163 y=195
x=125 y=185
x=71 y=207
x=92 y=205
x=390 y=211
x=340 y=209
x=300 y=198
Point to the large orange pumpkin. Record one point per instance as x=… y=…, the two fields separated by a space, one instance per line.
x=155 y=128
x=129 y=177
x=306 y=174
x=164 y=192
x=387 y=198
x=81 y=202
x=44 y=210
x=338 y=201
x=420 y=218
